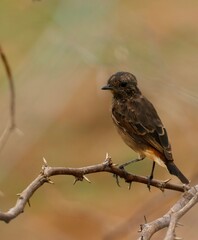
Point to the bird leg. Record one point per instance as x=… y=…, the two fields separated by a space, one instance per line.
x=151 y=176
x=126 y=164
x=131 y=161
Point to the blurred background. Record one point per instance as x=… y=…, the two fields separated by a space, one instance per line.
x=61 y=52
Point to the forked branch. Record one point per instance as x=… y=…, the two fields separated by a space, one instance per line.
x=171 y=218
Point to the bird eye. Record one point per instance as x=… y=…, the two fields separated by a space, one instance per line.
x=123 y=84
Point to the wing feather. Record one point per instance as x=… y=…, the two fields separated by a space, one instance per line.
x=140 y=117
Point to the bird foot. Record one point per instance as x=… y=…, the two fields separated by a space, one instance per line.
x=121 y=167
x=149 y=183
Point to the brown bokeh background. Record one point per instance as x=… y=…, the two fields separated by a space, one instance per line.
x=61 y=53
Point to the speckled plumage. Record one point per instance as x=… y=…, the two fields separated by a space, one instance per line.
x=138 y=122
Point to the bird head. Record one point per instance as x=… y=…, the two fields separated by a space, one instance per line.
x=122 y=84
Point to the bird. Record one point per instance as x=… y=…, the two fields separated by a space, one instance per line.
x=139 y=124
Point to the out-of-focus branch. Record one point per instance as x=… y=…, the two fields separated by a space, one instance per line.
x=79 y=174
x=182 y=207
x=6 y=133
x=170 y=219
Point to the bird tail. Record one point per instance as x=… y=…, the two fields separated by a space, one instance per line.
x=172 y=168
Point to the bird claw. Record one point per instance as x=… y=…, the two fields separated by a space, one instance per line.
x=163 y=184
x=149 y=183
x=121 y=167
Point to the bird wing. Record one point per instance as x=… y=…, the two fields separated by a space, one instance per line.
x=139 y=117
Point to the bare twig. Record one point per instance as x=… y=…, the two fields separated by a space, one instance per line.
x=170 y=219
x=79 y=174
x=6 y=133
x=176 y=215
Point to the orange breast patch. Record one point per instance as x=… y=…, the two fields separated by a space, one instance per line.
x=154 y=156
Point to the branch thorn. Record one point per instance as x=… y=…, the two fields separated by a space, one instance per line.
x=49 y=180
x=163 y=184
x=117 y=180
x=19 y=195
x=28 y=202
x=179 y=224
x=108 y=162
x=84 y=177
x=129 y=187
x=78 y=179
x=45 y=162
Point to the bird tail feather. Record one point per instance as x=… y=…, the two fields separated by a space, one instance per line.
x=173 y=169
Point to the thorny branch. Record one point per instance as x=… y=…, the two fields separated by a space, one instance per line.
x=79 y=174
x=6 y=133
x=170 y=219
x=179 y=209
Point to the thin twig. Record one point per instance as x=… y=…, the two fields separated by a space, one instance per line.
x=78 y=173
x=7 y=131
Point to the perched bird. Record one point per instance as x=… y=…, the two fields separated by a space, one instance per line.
x=139 y=124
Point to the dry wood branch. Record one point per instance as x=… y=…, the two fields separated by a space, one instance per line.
x=170 y=219
x=79 y=174
x=6 y=133
x=192 y=198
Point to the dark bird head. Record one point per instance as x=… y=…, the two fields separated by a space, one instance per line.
x=122 y=85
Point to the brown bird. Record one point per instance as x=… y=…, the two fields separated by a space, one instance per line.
x=139 y=124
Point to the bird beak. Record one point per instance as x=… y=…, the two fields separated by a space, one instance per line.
x=107 y=87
